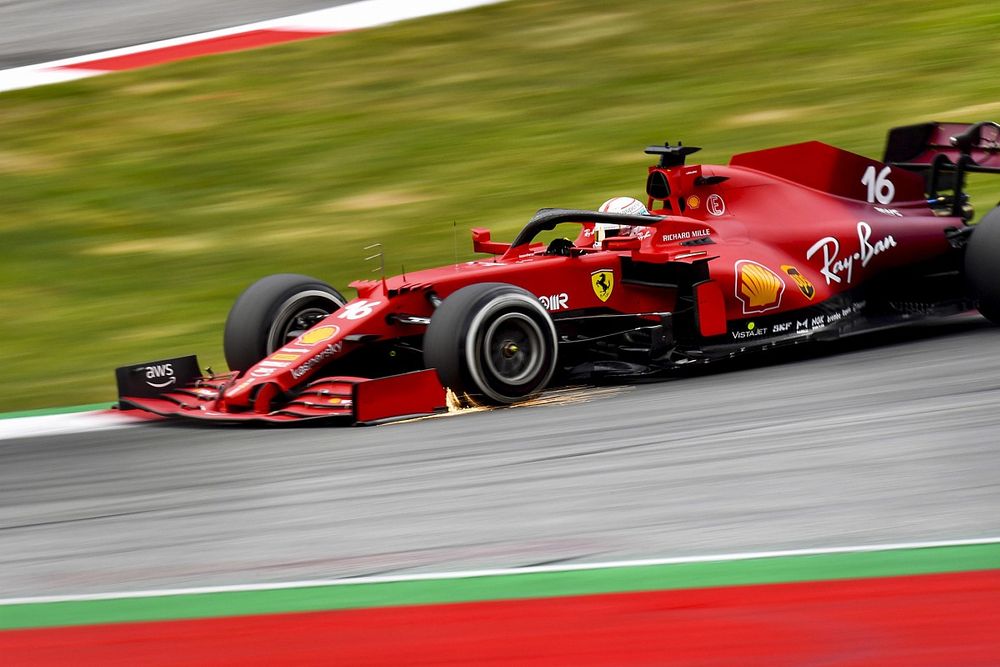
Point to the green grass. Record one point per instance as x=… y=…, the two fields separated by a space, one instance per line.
x=136 y=206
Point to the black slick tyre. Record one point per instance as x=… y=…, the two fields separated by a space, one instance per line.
x=493 y=342
x=982 y=265
x=272 y=312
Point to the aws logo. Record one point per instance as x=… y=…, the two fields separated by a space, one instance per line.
x=160 y=375
x=801 y=281
x=603 y=282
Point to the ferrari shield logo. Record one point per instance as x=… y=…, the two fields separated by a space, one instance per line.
x=801 y=281
x=603 y=282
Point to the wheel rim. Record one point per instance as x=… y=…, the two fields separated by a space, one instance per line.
x=512 y=349
x=297 y=315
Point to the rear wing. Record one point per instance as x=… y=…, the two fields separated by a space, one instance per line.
x=944 y=153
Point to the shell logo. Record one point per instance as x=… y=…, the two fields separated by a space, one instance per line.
x=319 y=334
x=758 y=288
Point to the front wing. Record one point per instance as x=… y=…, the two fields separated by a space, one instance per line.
x=175 y=388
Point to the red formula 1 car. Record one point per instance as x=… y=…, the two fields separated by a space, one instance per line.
x=800 y=242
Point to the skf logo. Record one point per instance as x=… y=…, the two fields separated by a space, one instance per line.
x=803 y=283
x=319 y=334
x=758 y=288
x=603 y=282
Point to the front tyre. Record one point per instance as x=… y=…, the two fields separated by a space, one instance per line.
x=272 y=312
x=982 y=265
x=493 y=342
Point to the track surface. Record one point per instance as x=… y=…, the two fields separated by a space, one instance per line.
x=36 y=31
x=893 y=439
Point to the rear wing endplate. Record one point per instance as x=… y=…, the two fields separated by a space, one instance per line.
x=944 y=152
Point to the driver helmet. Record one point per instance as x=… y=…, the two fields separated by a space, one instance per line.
x=626 y=205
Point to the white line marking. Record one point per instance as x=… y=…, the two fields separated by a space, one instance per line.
x=354 y=16
x=41 y=75
x=502 y=572
x=369 y=14
x=74 y=422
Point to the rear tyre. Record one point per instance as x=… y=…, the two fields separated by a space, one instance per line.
x=272 y=312
x=492 y=342
x=982 y=265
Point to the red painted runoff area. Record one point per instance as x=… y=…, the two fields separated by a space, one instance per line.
x=236 y=42
x=933 y=619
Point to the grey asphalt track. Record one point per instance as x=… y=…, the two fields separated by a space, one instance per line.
x=37 y=31
x=894 y=438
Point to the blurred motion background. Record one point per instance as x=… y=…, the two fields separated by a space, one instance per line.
x=135 y=207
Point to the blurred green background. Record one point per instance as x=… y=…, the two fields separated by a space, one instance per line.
x=135 y=207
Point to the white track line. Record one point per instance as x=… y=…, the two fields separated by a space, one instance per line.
x=342 y=18
x=369 y=14
x=65 y=424
x=469 y=574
